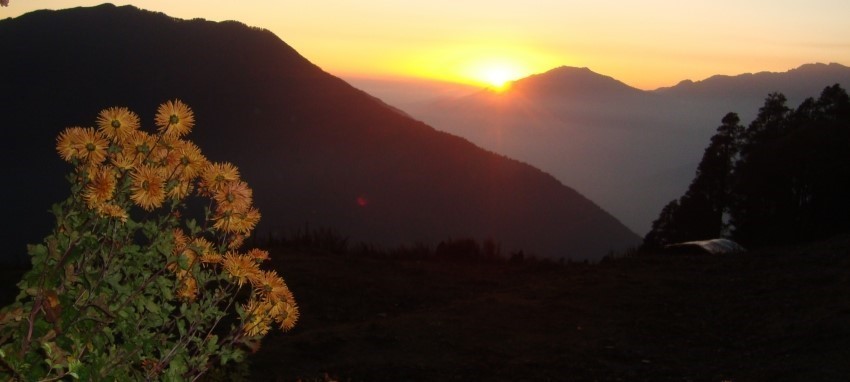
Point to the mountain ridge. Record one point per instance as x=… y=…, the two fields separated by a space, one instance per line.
x=720 y=82
x=311 y=145
x=571 y=79
x=613 y=147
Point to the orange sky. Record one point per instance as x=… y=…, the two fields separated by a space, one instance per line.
x=647 y=43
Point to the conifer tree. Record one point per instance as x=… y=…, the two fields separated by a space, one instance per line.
x=699 y=214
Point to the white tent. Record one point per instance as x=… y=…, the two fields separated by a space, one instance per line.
x=713 y=246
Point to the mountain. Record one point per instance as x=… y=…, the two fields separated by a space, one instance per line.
x=316 y=150
x=629 y=150
x=806 y=80
x=567 y=81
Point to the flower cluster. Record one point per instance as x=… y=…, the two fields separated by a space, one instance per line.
x=123 y=263
x=162 y=167
x=158 y=166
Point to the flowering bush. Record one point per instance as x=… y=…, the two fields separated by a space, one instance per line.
x=128 y=288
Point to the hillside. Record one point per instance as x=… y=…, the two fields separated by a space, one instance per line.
x=773 y=315
x=629 y=150
x=777 y=314
x=317 y=151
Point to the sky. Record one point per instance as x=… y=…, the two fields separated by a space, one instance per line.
x=646 y=44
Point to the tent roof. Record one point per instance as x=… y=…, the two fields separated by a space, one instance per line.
x=713 y=246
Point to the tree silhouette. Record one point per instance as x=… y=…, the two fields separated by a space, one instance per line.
x=790 y=182
x=700 y=213
x=782 y=180
x=664 y=229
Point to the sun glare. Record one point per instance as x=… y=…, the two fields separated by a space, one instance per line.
x=487 y=65
x=495 y=74
x=498 y=76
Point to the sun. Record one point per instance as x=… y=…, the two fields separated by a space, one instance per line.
x=490 y=65
x=496 y=74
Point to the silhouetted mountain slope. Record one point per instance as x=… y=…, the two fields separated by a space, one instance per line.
x=629 y=150
x=567 y=81
x=308 y=143
x=797 y=83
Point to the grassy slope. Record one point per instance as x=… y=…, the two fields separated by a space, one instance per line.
x=770 y=315
x=777 y=315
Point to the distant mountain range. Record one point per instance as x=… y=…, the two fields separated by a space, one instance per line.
x=629 y=150
x=316 y=150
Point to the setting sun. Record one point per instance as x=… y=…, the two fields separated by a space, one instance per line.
x=497 y=76
x=493 y=72
x=487 y=64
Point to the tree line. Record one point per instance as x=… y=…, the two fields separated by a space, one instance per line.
x=783 y=179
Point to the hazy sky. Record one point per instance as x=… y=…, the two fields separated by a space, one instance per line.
x=646 y=43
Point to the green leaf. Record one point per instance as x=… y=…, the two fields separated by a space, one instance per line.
x=212 y=343
x=192 y=225
x=39 y=250
x=183 y=261
x=151 y=306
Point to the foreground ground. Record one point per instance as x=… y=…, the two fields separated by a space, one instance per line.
x=770 y=315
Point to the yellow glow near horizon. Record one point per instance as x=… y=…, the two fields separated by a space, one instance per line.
x=496 y=74
x=646 y=44
x=484 y=64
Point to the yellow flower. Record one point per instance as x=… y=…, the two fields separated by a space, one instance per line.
x=188 y=290
x=212 y=258
x=148 y=187
x=111 y=210
x=180 y=190
x=92 y=146
x=87 y=172
x=258 y=320
x=116 y=123
x=236 y=242
x=192 y=162
x=101 y=188
x=174 y=119
x=205 y=249
x=180 y=241
x=215 y=175
x=233 y=197
x=68 y=143
x=240 y=267
x=259 y=254
x=289 y=317
x=165 y=154
x=137 y=145
x=237 y=222
x=271 y=287
x=122 y=161
x=201 y=246
x=84 y=144
x=187 y=258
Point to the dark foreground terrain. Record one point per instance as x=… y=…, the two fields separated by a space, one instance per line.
x=768 y=315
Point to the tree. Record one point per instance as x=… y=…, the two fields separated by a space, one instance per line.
x=790 y=184
x=700 y=213
x=780 y=181
x=664 y=229
x=770 y=123
x=758 y=185
x=714 y=177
